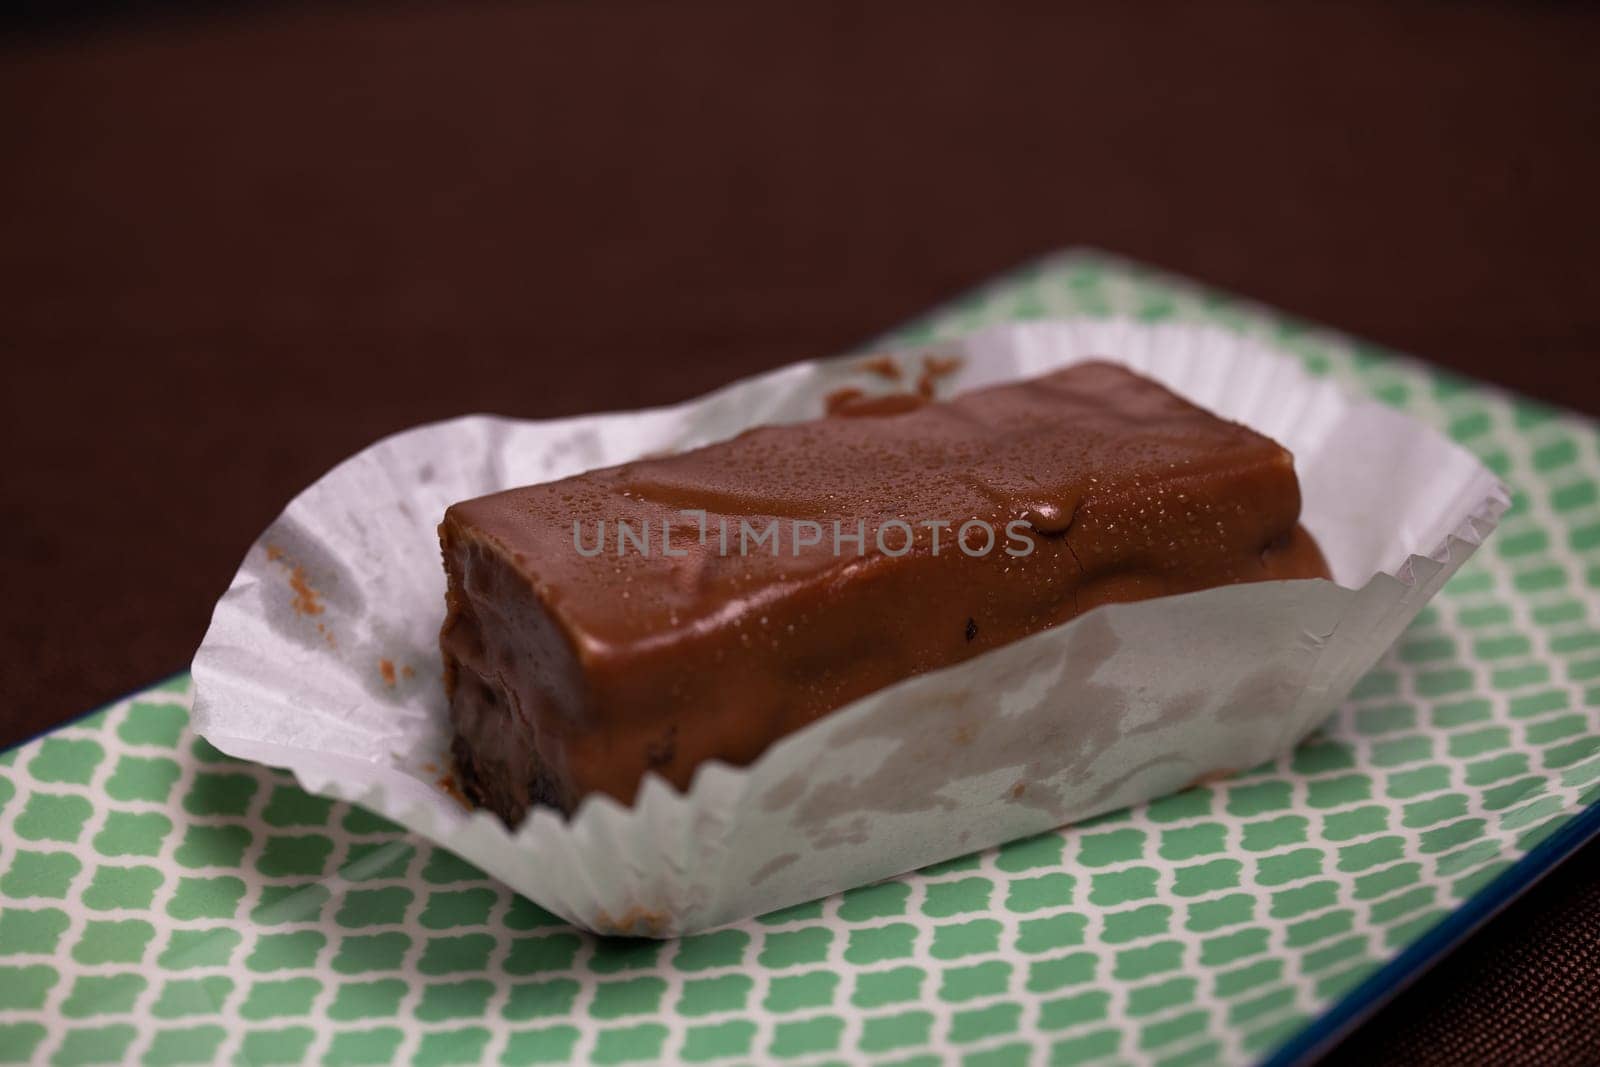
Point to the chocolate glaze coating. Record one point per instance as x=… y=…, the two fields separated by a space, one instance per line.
x=569 y=674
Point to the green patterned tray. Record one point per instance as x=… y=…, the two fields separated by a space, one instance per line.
x=162 y=903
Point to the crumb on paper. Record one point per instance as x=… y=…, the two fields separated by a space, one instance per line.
x=307 y=601
x=447 y=782
x=852 y=403
x=635 y=922
x=1018 y=789
x=851 y=400
x=883 y=366
x=933 y=369
x=386 y=668
x=406 y=671
x=840 y=399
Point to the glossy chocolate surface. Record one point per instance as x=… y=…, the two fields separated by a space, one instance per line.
x=571 y=673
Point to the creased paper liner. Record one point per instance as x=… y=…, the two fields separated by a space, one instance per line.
x=322 y=657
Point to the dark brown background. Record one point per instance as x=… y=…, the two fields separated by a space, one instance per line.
x=236 y=246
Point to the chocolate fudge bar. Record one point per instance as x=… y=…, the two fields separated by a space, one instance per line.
x=661 y=613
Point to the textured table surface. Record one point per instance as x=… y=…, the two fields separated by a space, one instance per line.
x=241 y=245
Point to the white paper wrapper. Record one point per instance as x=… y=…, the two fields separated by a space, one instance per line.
x=323 y=655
